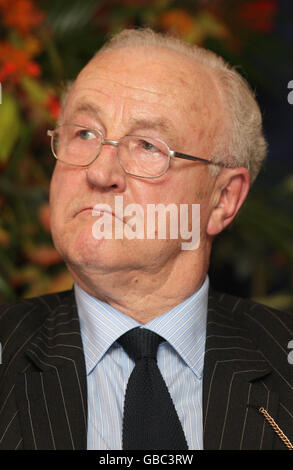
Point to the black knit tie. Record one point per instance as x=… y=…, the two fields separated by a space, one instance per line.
x=150 y=421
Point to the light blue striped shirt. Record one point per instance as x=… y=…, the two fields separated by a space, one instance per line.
x=108 y=367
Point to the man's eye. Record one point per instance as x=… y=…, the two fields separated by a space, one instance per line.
x=148 y=146
x=86 y=134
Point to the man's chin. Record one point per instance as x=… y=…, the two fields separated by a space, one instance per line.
x=94 y=254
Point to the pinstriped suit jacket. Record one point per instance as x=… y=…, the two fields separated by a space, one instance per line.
x=43 y=396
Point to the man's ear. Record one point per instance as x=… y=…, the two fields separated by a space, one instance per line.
x=231 y=188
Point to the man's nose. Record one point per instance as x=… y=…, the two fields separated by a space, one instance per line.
x=106 y=172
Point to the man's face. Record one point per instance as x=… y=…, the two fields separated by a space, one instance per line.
x=149 y=92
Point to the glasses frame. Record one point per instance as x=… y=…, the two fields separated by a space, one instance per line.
x=115 y=143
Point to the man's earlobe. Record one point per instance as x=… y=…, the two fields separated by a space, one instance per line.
x=232 y=188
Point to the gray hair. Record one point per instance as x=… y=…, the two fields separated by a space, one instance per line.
x=246 y=145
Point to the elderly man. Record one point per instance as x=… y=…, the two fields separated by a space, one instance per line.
x=141 y=353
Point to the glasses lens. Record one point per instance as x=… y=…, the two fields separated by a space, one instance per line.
x=75 y=145
x=144 y=156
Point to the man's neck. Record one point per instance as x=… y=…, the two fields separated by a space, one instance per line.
x=143 y=295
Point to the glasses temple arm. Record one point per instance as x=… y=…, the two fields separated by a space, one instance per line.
x=189 y=157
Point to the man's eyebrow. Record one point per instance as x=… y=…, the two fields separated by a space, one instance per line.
x=152 y=123
x=91 y=108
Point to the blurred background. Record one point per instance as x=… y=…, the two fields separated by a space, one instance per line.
x=45 y=43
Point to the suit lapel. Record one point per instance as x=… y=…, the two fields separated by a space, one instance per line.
x=234 y=386
x=52 y=396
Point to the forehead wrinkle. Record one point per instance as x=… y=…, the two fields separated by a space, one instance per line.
x=157 y=123
x=120 y=84
x=81 y=104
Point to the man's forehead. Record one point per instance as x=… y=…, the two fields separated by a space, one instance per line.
x=133 y=85
x=150 y=71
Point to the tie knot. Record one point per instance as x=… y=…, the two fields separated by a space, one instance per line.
x=139 y=343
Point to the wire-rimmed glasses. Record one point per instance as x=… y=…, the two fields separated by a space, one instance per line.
x=140 y=156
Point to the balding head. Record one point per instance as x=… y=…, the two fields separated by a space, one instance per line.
x=243 y=142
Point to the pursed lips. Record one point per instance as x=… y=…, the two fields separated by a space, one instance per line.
x=99 y=212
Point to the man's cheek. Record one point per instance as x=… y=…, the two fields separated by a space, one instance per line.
x=61 y=190
x=54 y=188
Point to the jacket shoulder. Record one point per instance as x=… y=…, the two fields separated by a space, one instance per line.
x=240 y=308
x=20 y=319
x=270 y=329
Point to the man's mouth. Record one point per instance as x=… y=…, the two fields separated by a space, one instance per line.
x=97 y=212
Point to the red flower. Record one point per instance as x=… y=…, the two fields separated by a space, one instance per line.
x=21 y=15
x=7 y=71
x=258 y=15
x=53 y=105
x=33 y=69
x=16 y=62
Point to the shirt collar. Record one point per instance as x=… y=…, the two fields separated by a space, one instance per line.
x=183 y=327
